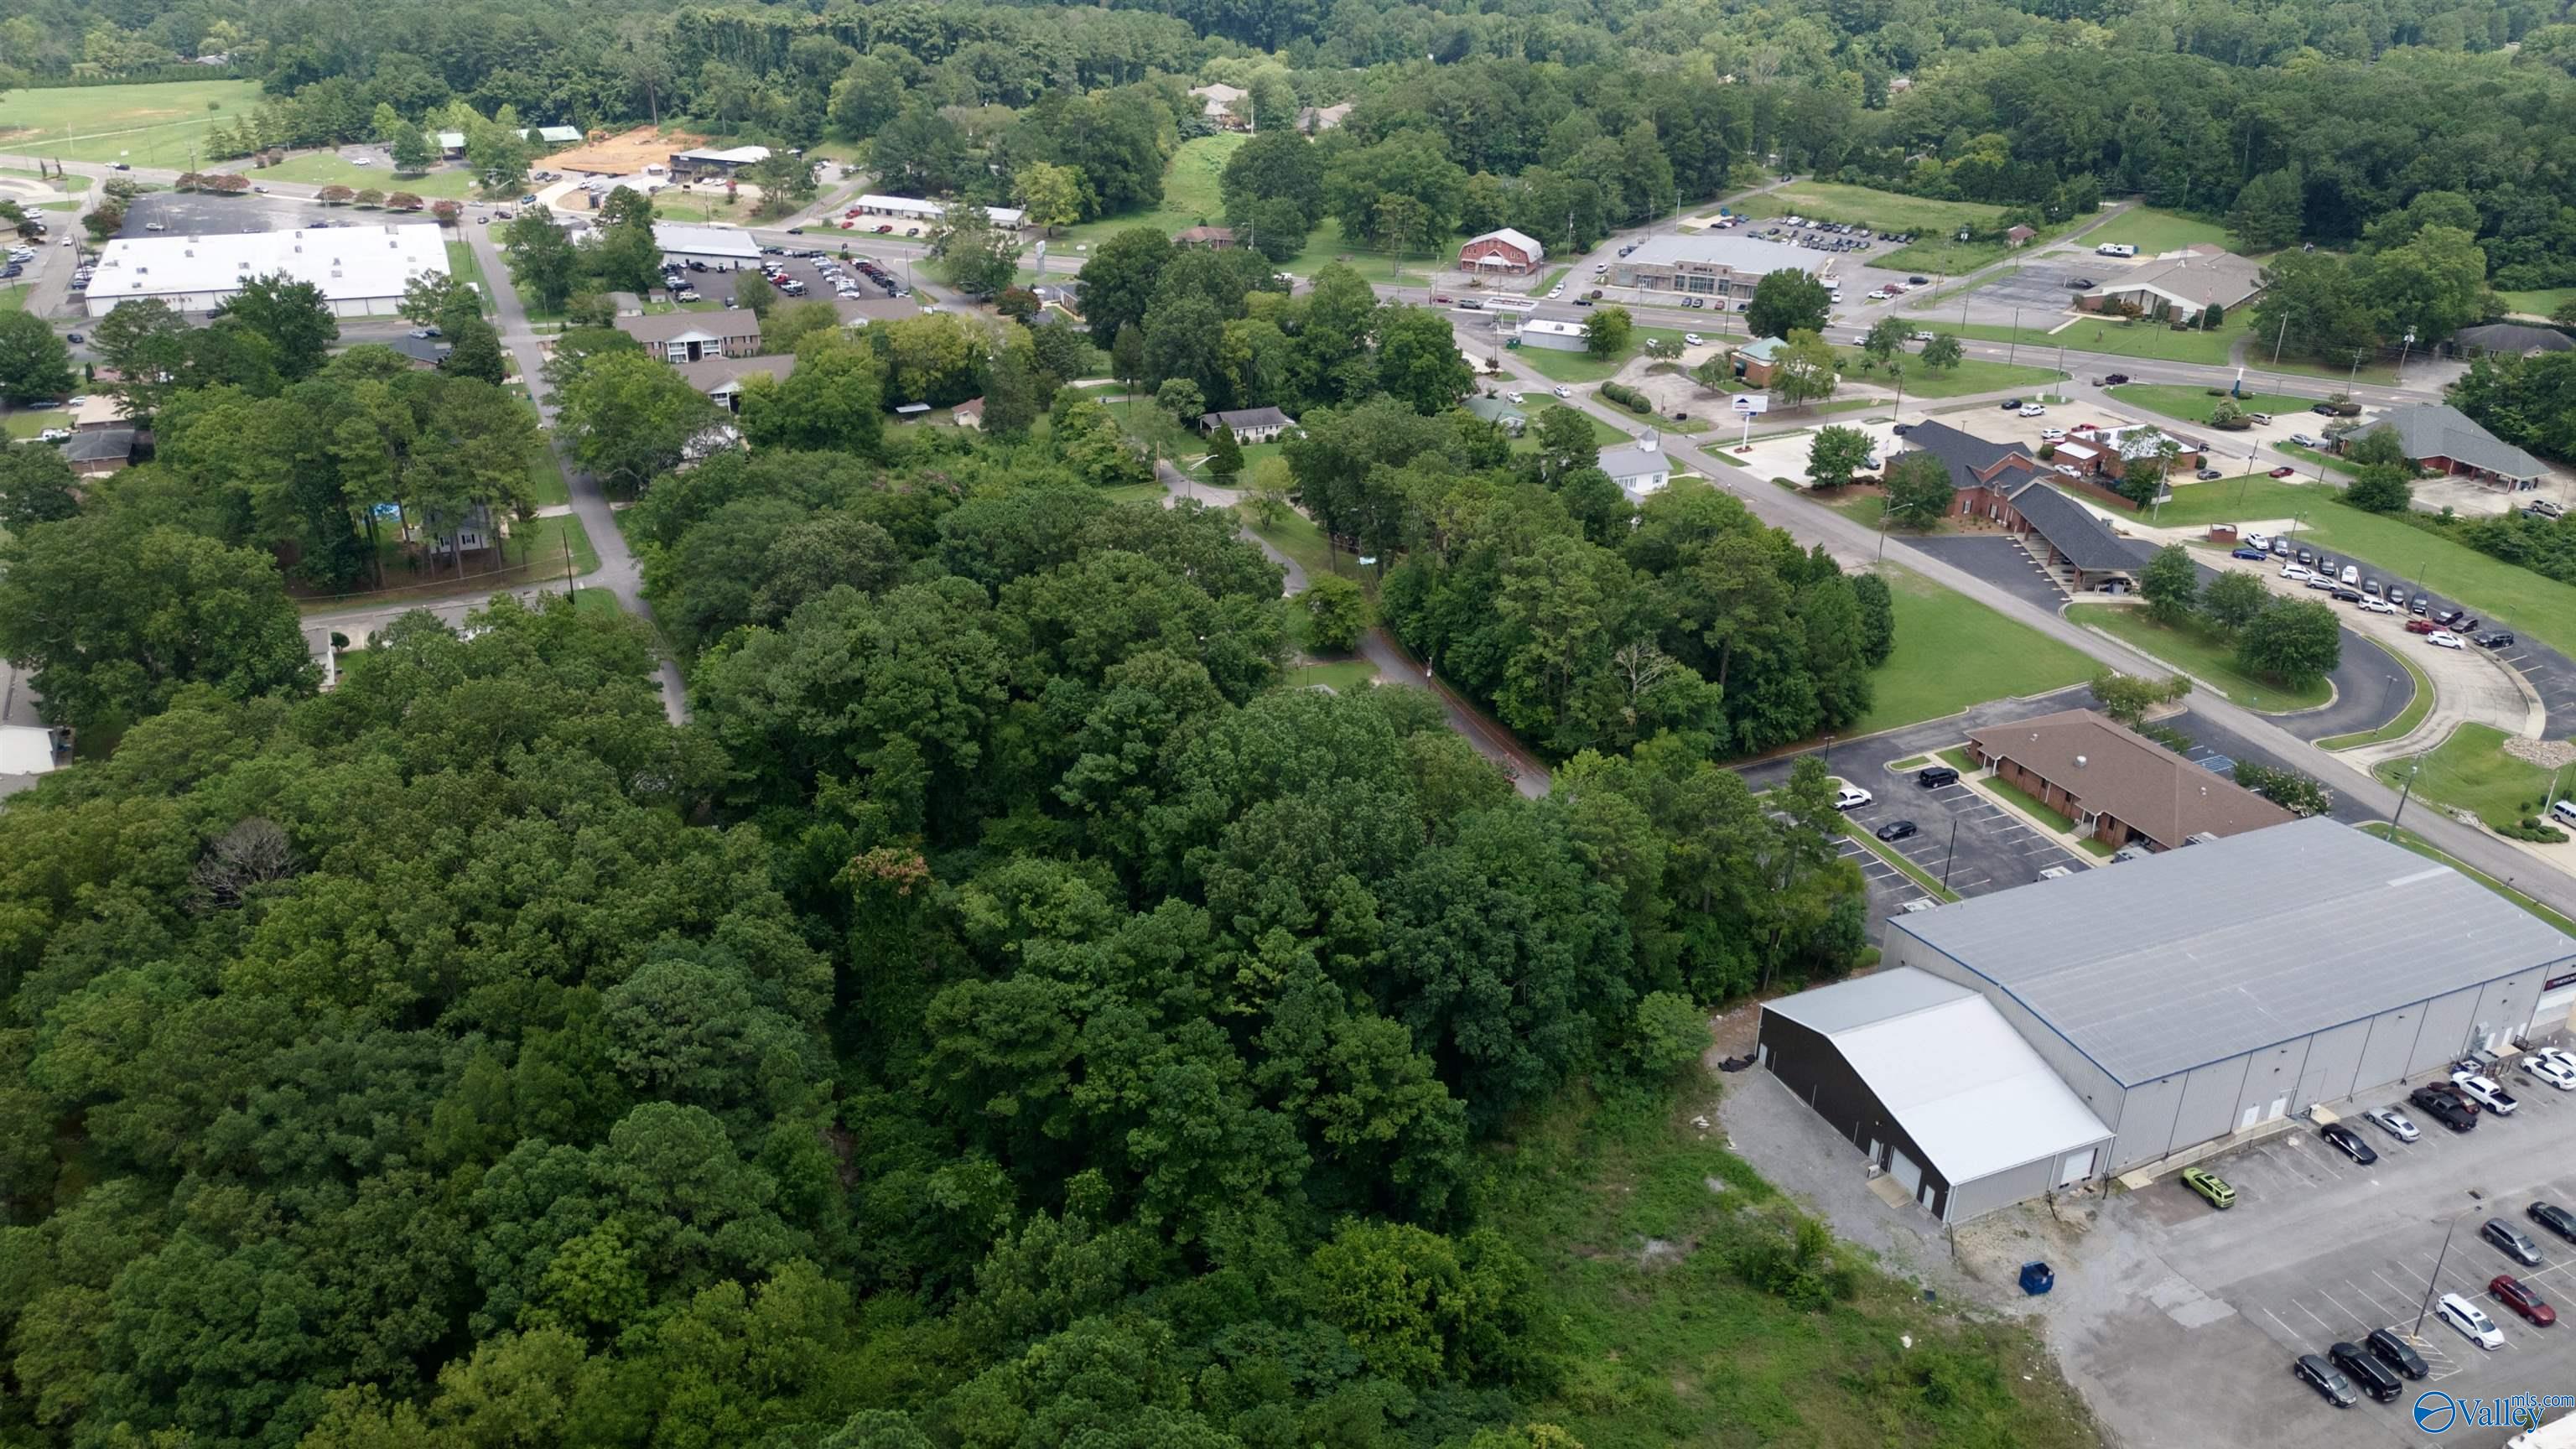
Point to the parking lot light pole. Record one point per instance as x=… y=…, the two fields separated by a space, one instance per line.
x=2401 y=798
x=2433 y=1285
x=1953 y=854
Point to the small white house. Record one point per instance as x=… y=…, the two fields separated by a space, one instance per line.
x=1641 y=469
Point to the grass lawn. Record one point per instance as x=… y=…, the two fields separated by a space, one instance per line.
x=1189 y=198
x=2193 y=404
x=1297 y=536
x=2154 y=231
x=2511 y=596
x=462 y=265
x=2470 y=770
x=321 y=168
x=2540 y=303
x=1602 y=433
x=1134 y=493
x=1866 y=206
x=534 y=555
x=74 y=184
x=13 y=299
x=1341 y=676
x=1574 y=367
x=1327 y=244
x=2324 y=460
x=2400 y=727
x=2028 y=804
x=149 y=125
x=1972 y=375
x=595 y=601
x=1620 y=1212
x=2416 y=843
x=2111 y=336
x=546 y=485
x=2200 y=653
x=1952 y=652
x=18 y=425
x=1908 y=765
x=1554 y=278
x=1943 y=254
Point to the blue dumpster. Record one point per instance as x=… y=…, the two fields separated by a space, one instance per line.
x=2037 y=1278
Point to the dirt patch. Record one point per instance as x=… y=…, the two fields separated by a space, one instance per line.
x=1659 y=1253
x=623 y=154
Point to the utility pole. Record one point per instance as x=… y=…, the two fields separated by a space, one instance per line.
x=2277 y=339
x=2012 y=349
x=2409 y=789
x=2401 y=358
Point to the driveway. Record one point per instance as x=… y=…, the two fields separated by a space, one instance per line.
x=2000 y=561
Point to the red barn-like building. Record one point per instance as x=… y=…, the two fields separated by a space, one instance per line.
x=1506 y=252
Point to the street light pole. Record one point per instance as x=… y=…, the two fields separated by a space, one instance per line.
x=2012 y=349
x=2434 y=1283
x=1952 y=855
x=2401 y=797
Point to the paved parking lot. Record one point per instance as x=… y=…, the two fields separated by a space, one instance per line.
x=2320 y=1249
x=194 y=214
x=1998 y=560
x=1962 y=839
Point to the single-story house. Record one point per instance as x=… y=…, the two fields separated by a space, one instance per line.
x=450 y=143
x=558 y=135
x=100 y=451
x=721 y=378
x=99 y=410
x=1494 y=410
x=1758 y=361
x=2508 y=339
x=2180 y=284
x=1249 y=425
x=2018 y=235
x=2441 y=437
x=1502 y=251
x=968 y=414
x=422 y=351
x=1311 y=119
x=1215 y=237
x=696 y=336
x=626 y=304
x=1641 y=469
x=1217 y=101
x=2117 y=785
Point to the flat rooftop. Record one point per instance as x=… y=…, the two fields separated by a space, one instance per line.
x=346 y=262
x=2153 y=967
x=1743 y=253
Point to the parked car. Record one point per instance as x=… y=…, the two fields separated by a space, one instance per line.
x=2116 y=378
x=1895 y=830
x=1564 y=392
x=2444 y=1108
x=2052 y=435
x=2510 y=1241
x=2553 y=1217
x=2418 y=607
x=2010 y=405
x=2304 y=441
x=2378 y=606
x=2204 y=474
x=2255 y=555
x=2500 y=639
x=2397 y=1353
x=2444 y=639
x=1693 y=338
x=2365 y=1370
x=2321 y=1376
x=2522 y=1298
x=1852 y=797
x=2210 y=1186
x=2295 y=573
x=2421 y=626
x=2394 y=1123
x=2558 y=1054
x=1933 y=777
x=2470 y=1320
x=2283 y=472
x=2323 y=410
x=2348 y=1142
x=2483 y=1089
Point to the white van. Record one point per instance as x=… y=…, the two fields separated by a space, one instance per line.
x=2565 y=810
x=2115 y=249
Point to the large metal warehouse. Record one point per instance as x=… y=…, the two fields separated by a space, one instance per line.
x=2205 y=991
x=1926 y=1078
x=361 y=270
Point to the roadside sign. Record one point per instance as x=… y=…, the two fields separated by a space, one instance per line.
x=1749 y=403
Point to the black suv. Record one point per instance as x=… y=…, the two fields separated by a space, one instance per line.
x=2553 y=1217
x=1933 y=777
x=2444 y=1108
x=2320 y=1375
x=2366 y=1371
x=2396 y=1352
x=2500 y=639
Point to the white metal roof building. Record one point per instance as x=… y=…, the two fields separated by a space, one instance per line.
x=913 y=208
x=723 y=247
x=1708 y=264
x=361 y=270
x=1932 y=1084
x=2204 y=991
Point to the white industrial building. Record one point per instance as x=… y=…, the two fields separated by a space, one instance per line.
x=360 y=270
x=724 y=248
x=913 y=209
x=2178 y=1000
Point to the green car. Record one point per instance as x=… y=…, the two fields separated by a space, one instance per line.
x=2209 y=1185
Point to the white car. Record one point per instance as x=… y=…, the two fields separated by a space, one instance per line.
x=2379 y=606
x=156 y=226
x=1918 y=336
x=2551 y=1070
x=2470 y=1320
x=1852 y=797
x=2033 y=410
x=2484 y=1092
x=1515 y=399
x=2394 y=1123
x=2304 y=441
x=1693 y=338
x=1555 y=292
x=1564 y=392
x=77 y=400
x=2258 y=540
x=54 y=435
x=2069 y=469
x=2444 y=639
x=2052 y=435
x=2558 y=1054
x=2294 y=572
x=362 y=160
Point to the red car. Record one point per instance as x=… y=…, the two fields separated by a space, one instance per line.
x=2285 y=472
x=2519 y=1296
x=2421 y=626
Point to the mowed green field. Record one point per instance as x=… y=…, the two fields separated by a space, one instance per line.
x=323 y=168
x=2541 y=303
x=1952 y=652
x=2153 y=231
x=147 y=125
x=1865 y=206
x=1189 y=197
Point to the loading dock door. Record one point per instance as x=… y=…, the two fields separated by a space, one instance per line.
x=1905 y=1171
x=2077 y=1167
